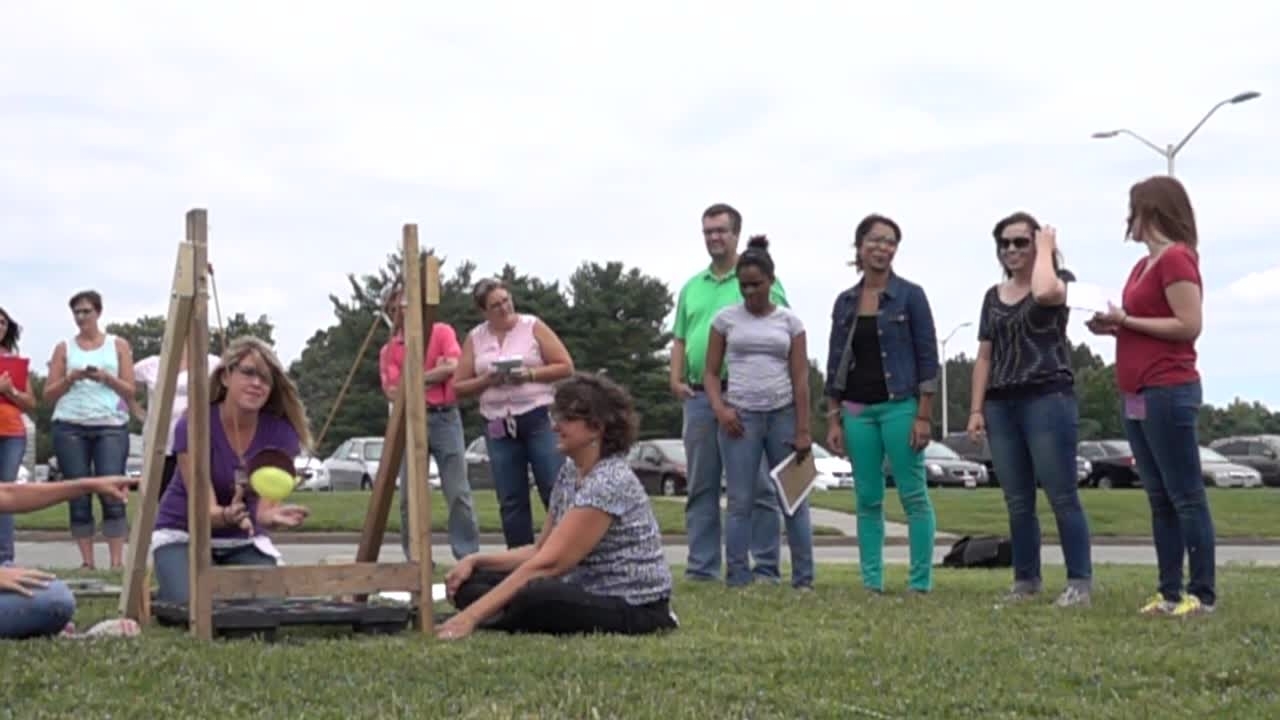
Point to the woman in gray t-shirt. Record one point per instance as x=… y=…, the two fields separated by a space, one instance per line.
x=598 y=565
x=763 y=412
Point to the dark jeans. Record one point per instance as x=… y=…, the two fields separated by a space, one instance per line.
x=554 y=607
x=1166 y=448
x=1033 y=441
x=12 y=449
x=92 y=451
x=172 y=571
x=511 y=459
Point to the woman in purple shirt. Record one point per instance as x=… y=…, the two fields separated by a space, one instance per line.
x=255 y=408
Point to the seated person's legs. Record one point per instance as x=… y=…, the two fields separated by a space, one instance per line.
x=45 y=613
x=171 y=567
x=555 y=607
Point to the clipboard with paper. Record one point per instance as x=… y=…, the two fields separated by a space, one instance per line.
x=794 y=480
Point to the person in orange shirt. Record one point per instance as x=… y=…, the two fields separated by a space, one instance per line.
x=13 y=432
x=444 y=425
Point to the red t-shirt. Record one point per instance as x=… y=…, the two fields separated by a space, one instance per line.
x=443 y=343
x=1143 y=361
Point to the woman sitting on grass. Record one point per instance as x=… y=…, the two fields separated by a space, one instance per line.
x=254 y=413
x=598 y=565
x=34 y=603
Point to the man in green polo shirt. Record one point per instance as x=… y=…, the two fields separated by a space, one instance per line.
x=701 y=298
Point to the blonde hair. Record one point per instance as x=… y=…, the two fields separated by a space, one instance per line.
x=283 y=401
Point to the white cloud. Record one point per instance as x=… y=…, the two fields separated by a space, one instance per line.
x=544 y=135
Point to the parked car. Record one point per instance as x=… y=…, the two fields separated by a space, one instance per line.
x=661 y=466
x=312 y=473
x=353 y=465
x=1083 y=468
x=1260 y=452
x=1111 y=464
x=973 y=451
x=1219 y=471
x=945 y=468
x=833 y=472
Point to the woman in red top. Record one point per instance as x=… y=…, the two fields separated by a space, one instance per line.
x=1155 y=328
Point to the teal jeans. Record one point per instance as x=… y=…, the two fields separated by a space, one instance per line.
x=871 y=434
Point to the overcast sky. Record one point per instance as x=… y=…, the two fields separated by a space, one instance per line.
x=543 y=134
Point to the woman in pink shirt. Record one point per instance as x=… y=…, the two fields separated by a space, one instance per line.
x=445 y=440
x=510 y=361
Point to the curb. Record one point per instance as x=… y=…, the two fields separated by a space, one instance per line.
x=393 y=538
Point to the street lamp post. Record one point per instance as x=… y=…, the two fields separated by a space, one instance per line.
x=943 y=373
x=1169 y=152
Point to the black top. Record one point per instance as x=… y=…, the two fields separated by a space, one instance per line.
x=865 y=383
x=1030 y=352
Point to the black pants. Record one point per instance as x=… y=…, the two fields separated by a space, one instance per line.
x=550 y=606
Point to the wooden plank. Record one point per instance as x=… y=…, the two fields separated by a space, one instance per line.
x=384 y=485
x=311 y=580
x=160 y=407
x=413 y=390
x=199 y=485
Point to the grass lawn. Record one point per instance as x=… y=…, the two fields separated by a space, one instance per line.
x=1237 y=513
x=763 y=652
x=344 y=511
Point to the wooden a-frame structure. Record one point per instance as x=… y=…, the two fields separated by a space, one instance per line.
x=188 y=325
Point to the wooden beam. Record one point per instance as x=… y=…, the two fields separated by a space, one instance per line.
x=160 y=409
x=384 y=485
x=413 y=391
x=312 y=580
x=199 y=485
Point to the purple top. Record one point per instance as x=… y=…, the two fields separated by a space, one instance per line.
x=273 y=432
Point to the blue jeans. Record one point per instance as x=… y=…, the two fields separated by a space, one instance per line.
x=45 y=613
x=92 y=451
x=510 y=460
x=1166 y=449
x=11 y=451
x=702 y=506
x=445 y=444
x=765 y=436
x=172 y=571
x=1033 y=440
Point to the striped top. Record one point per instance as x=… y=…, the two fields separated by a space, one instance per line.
x=88 y=402
x=1029 y=346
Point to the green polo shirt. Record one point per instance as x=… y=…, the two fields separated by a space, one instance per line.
x=701 y=298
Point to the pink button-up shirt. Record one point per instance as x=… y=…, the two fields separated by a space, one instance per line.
x=443 y=343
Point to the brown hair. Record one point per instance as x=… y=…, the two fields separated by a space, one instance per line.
x=480 y=293
x=283 y=401
x=735 y=217
x=90 y=296
x=1161 y=203
x=603 y=404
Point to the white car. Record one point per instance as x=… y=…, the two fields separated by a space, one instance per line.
x=833 y=472
x=314 y=475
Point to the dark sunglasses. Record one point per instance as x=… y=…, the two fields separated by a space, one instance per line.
x=1022 y=243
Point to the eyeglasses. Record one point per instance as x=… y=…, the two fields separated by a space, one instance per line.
x=885 y=240
x=253 y=373
x=498 y=303
x=1021 y=243
x=563 y=416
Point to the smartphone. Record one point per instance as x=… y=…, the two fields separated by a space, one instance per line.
x=90 y=369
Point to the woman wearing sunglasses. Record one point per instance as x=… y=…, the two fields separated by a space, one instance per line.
x=1024 y=402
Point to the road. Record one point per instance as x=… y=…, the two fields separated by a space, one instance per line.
x=63 y=555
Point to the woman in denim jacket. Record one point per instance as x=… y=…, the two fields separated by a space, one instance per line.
x=882 y=374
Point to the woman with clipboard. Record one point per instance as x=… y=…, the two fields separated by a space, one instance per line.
x=15 y=399
x=764 y=411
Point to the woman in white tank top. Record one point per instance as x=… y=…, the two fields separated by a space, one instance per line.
x=510 y=361
x=91 y=383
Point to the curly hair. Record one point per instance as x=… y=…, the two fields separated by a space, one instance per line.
x=602 y=404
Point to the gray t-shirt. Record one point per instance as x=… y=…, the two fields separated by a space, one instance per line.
x=758 y=351
x=628 y=562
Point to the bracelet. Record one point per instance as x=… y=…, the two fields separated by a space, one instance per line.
x=833 y=412
x=974 y=412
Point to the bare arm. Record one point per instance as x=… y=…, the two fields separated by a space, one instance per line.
x=441 y=372
x=799 y=366
x=217 y=513
x=59 y=382
x=1184 y=299
x=558 y=365
x=570 y=541
x=30 y=497
x=465 y=382
x=24 y=399
x=123 y=384
x=711 y=374
x=508 y=560
x=981 y=373
x=1046 y=287
x=676 y=376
